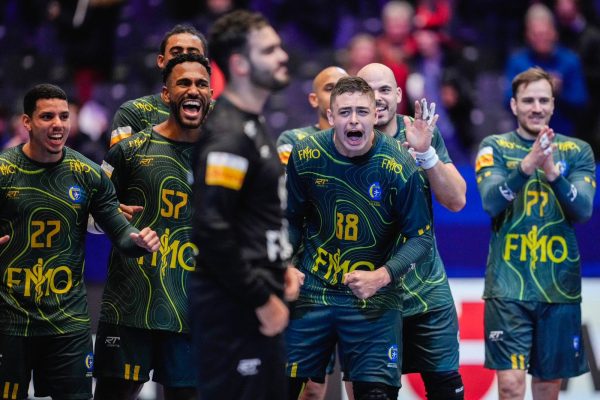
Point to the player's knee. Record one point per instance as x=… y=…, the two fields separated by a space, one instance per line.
x=374 y=391
x=314 y=389
x=443 y=385
x=295 y=387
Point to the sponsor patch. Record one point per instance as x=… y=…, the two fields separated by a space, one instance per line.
x=496 y=336
x=284 y=152
x=107 y=168
x=485 y=158
x=226 y=170
x=119 y=134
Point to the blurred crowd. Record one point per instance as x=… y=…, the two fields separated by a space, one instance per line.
x=460 y=54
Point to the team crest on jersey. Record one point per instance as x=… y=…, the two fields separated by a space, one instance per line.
x=89 y=364
x=75 y=194
x=375 y=191
x=563 y=167
x=392 y=355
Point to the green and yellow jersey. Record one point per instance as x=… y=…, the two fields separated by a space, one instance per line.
x=347 y=214
x=426 y=287
x=136 y=115
x=150 y=170
x=44 y=208
x=287 y=140
x=533 y=253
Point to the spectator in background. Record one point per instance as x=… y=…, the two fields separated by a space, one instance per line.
x=361 y=51
x=543 y=50
x=582 y=37
x=87 y=28
x=4 y=123
x=18 y=133
x=432 y=14
x=82 y=141
x=439 y=74
x=396 y=45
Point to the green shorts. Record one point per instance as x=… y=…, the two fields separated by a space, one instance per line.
x=131 y=353
x=543 y=338
x=430 y=341
x=367 y=342
x=62 y=365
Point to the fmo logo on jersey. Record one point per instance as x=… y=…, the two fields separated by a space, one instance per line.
x=39 y=280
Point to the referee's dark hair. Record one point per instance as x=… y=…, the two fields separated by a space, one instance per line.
x=185 y=57
x=229 y=35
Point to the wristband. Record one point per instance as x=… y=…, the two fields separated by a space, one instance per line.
x=427 y=159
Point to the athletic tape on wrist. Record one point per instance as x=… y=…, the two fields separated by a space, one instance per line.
x=427 y=159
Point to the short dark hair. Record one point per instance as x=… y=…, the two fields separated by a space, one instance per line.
x=532 y=74
x=351 y=84
x=41 y=91
x=183 y=28
x=185 y=57
x=229 y=35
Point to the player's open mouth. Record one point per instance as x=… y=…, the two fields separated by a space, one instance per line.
x=55 y=138
x=354 y=136
x=191 y=108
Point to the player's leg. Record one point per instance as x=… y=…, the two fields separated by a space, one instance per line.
x=174 y=367
x=370 y=348
x=430 y=347
x=558 y=350
x=443 y=385
x=15 y=368
x=545 y=389
x=123 y=361
x=508 y=330
x=316 y=388
x=374 y=391
x=310 y=341
x=64 y=366
x=511 y=384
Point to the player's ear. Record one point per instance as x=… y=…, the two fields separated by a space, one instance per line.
x=164 y=95
x=313 y=100
x=160 y=61
x=239 y=64
x=26 y=119
x=330 y=116
x=513 y=106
